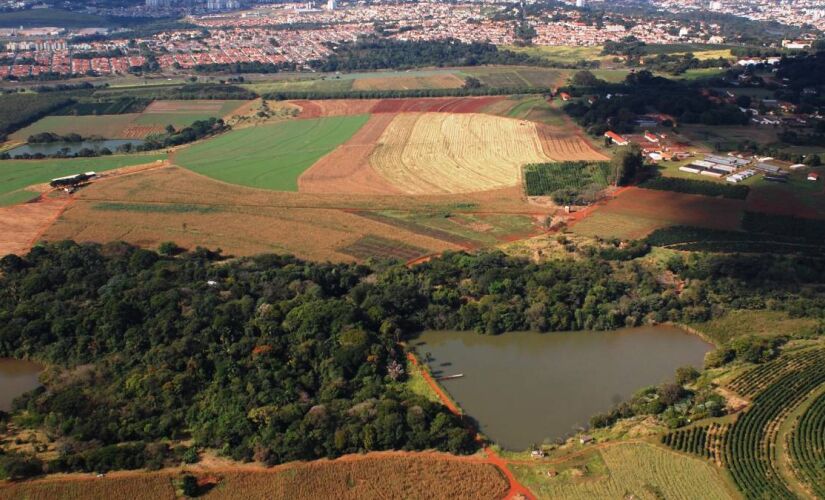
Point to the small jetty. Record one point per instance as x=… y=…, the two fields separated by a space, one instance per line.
x=450 y=377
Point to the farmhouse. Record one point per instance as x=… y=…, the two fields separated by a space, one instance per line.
x=651 y=137
x=616 y=138
x=813 y=176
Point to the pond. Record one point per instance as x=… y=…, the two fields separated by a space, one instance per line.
x=50 y=148
x=16 y=377
x=526 y=387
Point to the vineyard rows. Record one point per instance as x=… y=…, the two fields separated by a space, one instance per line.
x=807 y=446
x=759 y=378
x=750 y=444
x=542 y=179
x=706 y=441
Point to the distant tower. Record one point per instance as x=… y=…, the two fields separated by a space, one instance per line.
x=581 y=3
x=330 y=4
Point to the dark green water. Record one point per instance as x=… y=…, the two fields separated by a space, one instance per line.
x=526 y=387
x=16 y=378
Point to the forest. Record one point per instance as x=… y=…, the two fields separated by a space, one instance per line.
x=276 y=359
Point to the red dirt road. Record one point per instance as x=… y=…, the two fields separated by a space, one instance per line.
x=517 y=490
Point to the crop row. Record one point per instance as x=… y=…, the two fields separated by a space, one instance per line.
x=542 y=179
x=753 y=381
x=807 y=446
x=750 y=445
x=706 y=441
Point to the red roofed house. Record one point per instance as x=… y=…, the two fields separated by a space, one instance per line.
x=813 y=176
x=565 y=96
x=616 y=138
x=651 y=137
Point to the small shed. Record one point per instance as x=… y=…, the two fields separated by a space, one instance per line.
x=586 y=439
x=813 y=176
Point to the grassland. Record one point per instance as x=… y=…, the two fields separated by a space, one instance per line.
x=271 y=156
x=518 y=77
x=737 y=323
x=15 y=197
x=632 y=470
x=637 y=212
x=19 y=174
x=455 y=153
x=563 y=54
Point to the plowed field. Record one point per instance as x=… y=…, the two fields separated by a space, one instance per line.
x=564 y=145
x=455 y=153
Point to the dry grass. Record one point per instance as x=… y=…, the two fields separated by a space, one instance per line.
x=566 y=145
x=380 y=475
x=22 y=224
x=427 y=153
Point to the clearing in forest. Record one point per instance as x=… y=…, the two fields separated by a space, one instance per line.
x=431 y=153
x=271 y=156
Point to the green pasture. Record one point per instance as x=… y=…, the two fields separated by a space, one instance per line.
x=109 y=126
x=18 y=174
x=271 y=156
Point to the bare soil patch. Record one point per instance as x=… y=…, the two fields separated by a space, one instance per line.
x=334 y=107
x=22 y=225
x=566 y=145
x=347 y=170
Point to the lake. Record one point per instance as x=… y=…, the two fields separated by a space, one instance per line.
x=526 y=387
x=16 y=377
x=50 y=148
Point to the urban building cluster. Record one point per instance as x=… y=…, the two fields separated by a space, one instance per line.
x=791 y=12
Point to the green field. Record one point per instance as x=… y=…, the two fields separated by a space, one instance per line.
x=562 y=54
x=546 y=178
x=317 y=85
x=272 y=156
x=109 y=126
x=637 y=470
x=518 y=77
x=19 y=174
x=15 y=197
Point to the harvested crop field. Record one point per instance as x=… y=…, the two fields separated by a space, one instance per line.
x=635 y=213
x=21 y=225
x=202 y=107
x=347 y=170
x=173 y=204
x=378 y=475
x=567 y=145
x=432 y=153
x=269 y=156
x=377 y=247
x=439 y=81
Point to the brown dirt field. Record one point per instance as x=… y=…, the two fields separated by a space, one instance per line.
x=22 y=225
x=171 y=204
x=435 y=104
x=375 y=475
x=635 y=212
x=443 y=81
x=334 y=107
x=781 y=200
x=347 y=170
x=566 y=145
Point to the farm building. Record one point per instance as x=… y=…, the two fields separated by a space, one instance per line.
x=71 y=180
x=813 y=176
x=727 y=160
x=651 y=137
x=616 y=138
x=741 y=176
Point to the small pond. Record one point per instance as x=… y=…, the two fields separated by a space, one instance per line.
x=526 y=387
x=16 y=377
x=50 y=148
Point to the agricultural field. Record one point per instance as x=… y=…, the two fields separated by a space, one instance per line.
x=377 y=247
x=19 y=174
x=563 y=54
x=324 y=84
x=635 y=213
x=807 y=446
x=174 y=204
x=387 y=475
x=23 y=223
x=519 y=77
x=776 y=388
x=153 y=119
x=629 y=470
x=737 y=323
x=437 y=81
x=798 y=197
x=545 y=178
x=455 y=153
x=269 y=156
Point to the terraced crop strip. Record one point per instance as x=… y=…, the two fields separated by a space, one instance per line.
x=750 y=445
x=807 y=447
x=545 y=178
x=758 y=379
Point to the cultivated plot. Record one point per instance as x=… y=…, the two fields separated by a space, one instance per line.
x=455 y=153
x=271 y=156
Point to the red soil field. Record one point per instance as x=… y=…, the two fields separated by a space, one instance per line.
x=340 y=107
x=564 y=145
x=334 y=107
x=347 y=170
x=436 y=104
x=784 y=200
